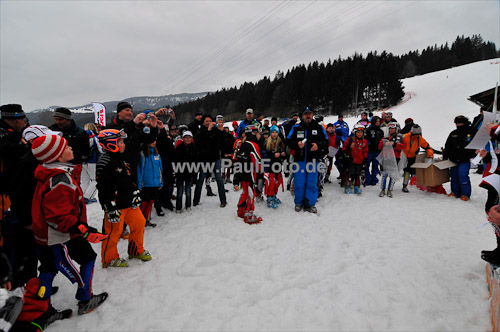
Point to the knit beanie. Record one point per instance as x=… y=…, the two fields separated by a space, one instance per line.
x=48 y=149
x=62 y=112
x=274 y=128
x=12 y=111
x=122 y=105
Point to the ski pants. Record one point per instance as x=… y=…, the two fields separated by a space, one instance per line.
x=460 y=181
x=371 y=177
x=218 y=179
x=136 y=221
x=306 y=184
x=273 y=181
x=59 y=257
x=246 y=202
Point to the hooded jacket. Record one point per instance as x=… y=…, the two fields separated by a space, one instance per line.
x=57 y=204
x=413 y=143
x=454 y=148
x=150 y=170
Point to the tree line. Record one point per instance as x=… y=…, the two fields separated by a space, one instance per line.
x=349 y=85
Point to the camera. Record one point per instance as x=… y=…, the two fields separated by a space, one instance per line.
x=148 y=116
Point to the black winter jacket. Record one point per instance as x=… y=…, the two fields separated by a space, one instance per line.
x=185 y=154
x=458 y=139
x=11 y=149
x=114 y=181
x=373 y=136
x=315 y=133
x=208 y=144
x=78 y=139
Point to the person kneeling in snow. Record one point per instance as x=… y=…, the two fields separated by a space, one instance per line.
x=120 y=200
x=245 y=172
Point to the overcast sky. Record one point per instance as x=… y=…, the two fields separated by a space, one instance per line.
x=70 y=53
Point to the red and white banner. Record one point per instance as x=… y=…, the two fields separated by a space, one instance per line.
x=100 y=113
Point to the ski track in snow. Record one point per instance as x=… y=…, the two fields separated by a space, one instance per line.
x=364 y=263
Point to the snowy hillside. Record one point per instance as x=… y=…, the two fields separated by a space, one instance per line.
x=364 y=263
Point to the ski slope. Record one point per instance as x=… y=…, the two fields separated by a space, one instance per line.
x=364 y=263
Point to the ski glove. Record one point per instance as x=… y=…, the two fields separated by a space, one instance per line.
x=114 y=216
x=136 y=200
x=89 y=233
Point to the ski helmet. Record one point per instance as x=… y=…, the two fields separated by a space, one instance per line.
x=359 y=127
x=393 y=125
x=108 y=139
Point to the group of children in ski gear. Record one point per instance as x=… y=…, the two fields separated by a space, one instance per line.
x=134 y=173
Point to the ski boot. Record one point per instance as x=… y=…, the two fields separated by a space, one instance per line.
x=347 y=189
x=382 y=193
x=94 y=302
x=389 y=193
x=298 y=208
x=270 y=201
x=277 y=200
x=251 y=218
x=58 y=315
x=145 y=256
x=357 y=191
x=311 y=209
x=119 y=262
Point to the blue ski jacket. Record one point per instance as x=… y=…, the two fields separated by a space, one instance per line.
x=149 y=171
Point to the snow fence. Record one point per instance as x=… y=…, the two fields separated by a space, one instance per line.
x=493 y=279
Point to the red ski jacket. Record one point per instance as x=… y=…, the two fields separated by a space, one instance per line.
x=358 y=151
x=57 y=204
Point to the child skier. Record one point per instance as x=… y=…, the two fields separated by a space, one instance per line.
x=60 y=223
x=185 y=153
x=149 y=179
x=120 y=201
x=357 y=149
x=274 y=149
x=390 y=156
x=247 y=161
x=332 y=149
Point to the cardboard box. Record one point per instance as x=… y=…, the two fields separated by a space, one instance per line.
x=432 y=172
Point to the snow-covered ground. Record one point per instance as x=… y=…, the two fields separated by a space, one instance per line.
x=364 y=263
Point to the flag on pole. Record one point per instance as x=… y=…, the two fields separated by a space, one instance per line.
x=99 y=113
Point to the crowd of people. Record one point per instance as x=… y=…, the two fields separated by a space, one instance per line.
x=137 y=163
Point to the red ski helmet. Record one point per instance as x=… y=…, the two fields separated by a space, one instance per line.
x=108 y=139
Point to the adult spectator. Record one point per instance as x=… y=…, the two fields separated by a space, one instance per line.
x=373 y=136
x=455 y=151
x=341 y=129
x=478 y=119
x=196 y=124
x=364 y=120
x=407 y=128
x=310 y=142
x=139 y=130
x=290 y=123
x=77 y=138
x=12 y=122
x=249 y=121
x=208 y=142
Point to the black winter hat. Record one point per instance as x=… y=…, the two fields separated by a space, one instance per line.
x=122 y=105
x=62 y=112
x=274 y=119
x=12 y=111
x=461 y=119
